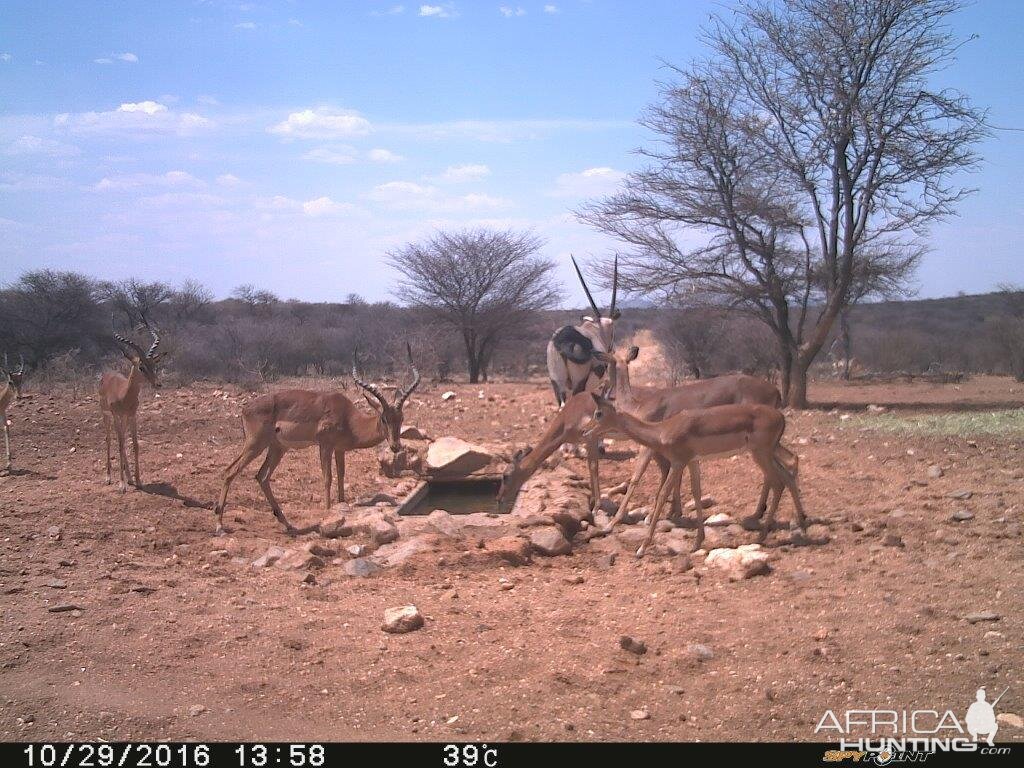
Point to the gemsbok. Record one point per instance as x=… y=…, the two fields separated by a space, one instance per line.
x=10 y=390
x=119 y=399
x=720 y=431
x=298 y=418
x=571 y=350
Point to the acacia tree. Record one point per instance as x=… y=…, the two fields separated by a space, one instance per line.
x=482 y=283
x=811 y=148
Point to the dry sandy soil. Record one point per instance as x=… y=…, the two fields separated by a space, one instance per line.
x=175 y=639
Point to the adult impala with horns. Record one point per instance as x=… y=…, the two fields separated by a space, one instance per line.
x=572 y=348
x=299 y=418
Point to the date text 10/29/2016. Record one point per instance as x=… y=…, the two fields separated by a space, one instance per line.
x=146 y=755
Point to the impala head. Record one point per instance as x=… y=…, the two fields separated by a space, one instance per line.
x=618 y=365
x=13 y=378
x=513 y=477
x=147 y=362
x=605 y=325
x=389 y=413
x=604 y=420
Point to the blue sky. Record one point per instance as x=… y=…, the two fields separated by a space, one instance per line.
x=290 y=144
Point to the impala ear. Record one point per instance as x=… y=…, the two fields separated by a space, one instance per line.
x=632 y=354
x=373 y=403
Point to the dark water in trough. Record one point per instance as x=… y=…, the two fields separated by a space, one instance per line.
x=458 y=497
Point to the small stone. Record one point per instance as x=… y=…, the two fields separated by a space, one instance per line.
x=605 y=562
x=268 y=558
x=383 y=532
x=627 y=643
x=935 y=472
x=720 y=519
x=550 y=541
x=705 y=503
x=640 y=714
x=196 y=710
x=334 y=527
x=377 y=498
x=893 y=540
x=961 y=495
x=979 y=616
x=700 y=652
x=57 y=584
x=962 y=515
x=409 y=432
x=361 y=567
x=743 y=562
x=54 y=532
x=64 y=608
x=405 y=618
x=356 y=550
x=447 y=395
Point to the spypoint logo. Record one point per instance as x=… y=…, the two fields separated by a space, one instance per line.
x=886 y=736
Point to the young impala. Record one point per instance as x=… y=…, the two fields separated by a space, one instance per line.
x=119 y=400
x=299 y=418
x=10 y=390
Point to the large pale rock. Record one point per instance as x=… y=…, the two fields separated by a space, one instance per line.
x=400 y=551
x=444 y=523
x=377 y=525
x=271 y=556
x=743 y=562
x=361 y=567
x=409 y=432
x=335 y=526
x=454 y=457
x=550 y=541
x=514 y=550
x=302 y=560
x=405 y=618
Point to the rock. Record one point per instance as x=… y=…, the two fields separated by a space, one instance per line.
x=361 y=567
x=705 y=503
x=720 y=519
x=446 y=396
x=961 y=495
x=962 y=515
x=935 y=472
x=301 y=560
x=377 y=498
x=979 y=616
x=64 y=608
x=320 y=550
x=1010 y=719
x=444 y=523
x=405 y=618
x=271 y=556
x=893 y=540
x=627 y=643
x=608 y=506
x=605 y=562
x=409 y=432
x=514 y=550
x=699 y=651
x=744 y=562
x=335 y=527
x=640 y=714
x=876 y=409
x=383 y=532
x=397 y=553
x=57 y=584
x=356 y=550
x=452 y=456
x=550 y=541
x=196 y=710
x=54 y=532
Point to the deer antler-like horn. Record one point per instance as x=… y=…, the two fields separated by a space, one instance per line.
x=118 y=337
x=593 y=304
x=615 y=288
x=153 y=333
x=371 y=388
x=401 y=397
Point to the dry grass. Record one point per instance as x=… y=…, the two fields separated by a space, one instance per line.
x=1002 y=423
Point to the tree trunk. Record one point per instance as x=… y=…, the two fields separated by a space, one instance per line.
x=847 y=343
x=796 y=397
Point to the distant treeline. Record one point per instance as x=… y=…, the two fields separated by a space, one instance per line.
x=61 y=323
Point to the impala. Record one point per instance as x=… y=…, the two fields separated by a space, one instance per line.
x=719 y=431
x=299 y=418
x=119 y=400
x=571 y=350
x=10 y=390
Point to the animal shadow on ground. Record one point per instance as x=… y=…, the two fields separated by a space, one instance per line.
x=25 y=473
x=171 y=492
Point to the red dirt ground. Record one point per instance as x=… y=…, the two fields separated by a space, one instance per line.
x=170 y=625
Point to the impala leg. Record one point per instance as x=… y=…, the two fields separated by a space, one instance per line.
x=122 y=456
x=754 y=521
x=339 y=463
x=790 y=481
x=593 y=453
x=135 y=450
x=674 y=475
x=698 y=504
x=107 y=427
x=639 y=467
x=249 y=452
x=326 y=456
x=768 y=522
x=7 y=440
x=274 y=456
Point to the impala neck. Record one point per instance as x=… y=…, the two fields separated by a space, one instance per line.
x=367 y=429
x=134 y=381
x=644 y=432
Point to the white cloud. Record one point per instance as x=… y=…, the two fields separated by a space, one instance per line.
x=5 y=57
x=335 y=155
x=550 y=9
x=456 y=174
x=322 y=123
x=591 y=182
x=34 y=145
x=408 y=195
x=295 y=23
x=228 y=180
x=446 y=11
x=127 y=57
x=103 y=60
x=134 y=118
x=508 y=11
x=496 y=131
x=208 y=101
x=384 y=156
x=394 y=10
x=136 y=180
x=324 y=206
x=246 y=25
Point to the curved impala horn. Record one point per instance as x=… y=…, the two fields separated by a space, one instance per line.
x=21 y=363
x=402 y=395
x=612 y=312
x=118 y=337
x=371 y=388
x=155 y=335
x=593 y=305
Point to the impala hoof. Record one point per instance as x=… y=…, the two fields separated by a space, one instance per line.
x=640 y=551
x=751 y=523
